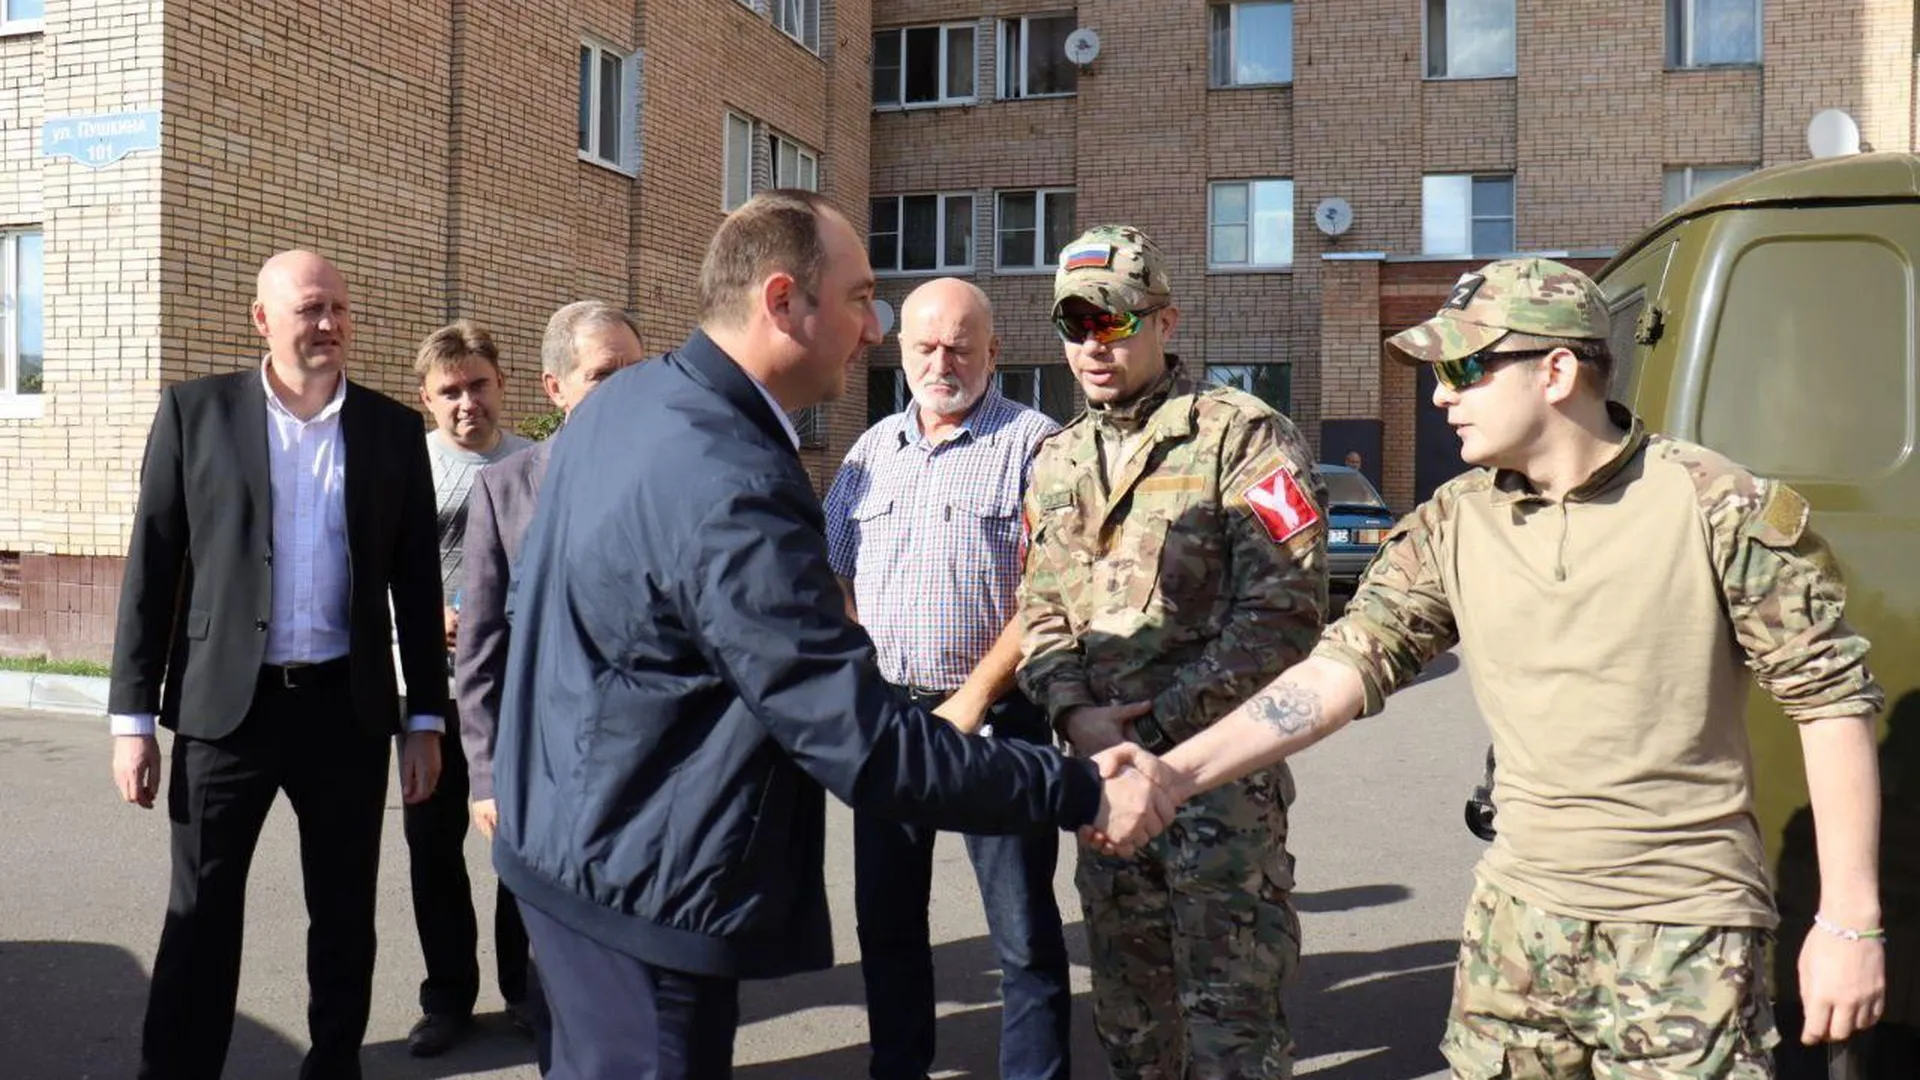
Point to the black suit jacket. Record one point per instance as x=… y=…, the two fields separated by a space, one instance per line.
x=198 y=590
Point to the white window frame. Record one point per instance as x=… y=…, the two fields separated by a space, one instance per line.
x=728 y=203
x=1426 y=52
x=1019 y=25
x=900 y=102
x=1512 y=215
x=13 y=403
x=625 y=158
x=941 y=267
x=1233 y=43
x=1213 y=261
x=799 y=20
x=1690 y=177
x=1045 y=261
x=10 y=26
x=806 y=162
x=1681 y=55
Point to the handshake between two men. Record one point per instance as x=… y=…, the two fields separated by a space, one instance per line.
x=1139 y=792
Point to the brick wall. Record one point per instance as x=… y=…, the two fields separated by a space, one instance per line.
x=428 y=147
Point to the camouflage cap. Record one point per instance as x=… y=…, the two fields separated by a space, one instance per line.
x=1115 y=267
x=1530 y=297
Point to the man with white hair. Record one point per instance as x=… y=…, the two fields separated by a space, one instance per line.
x=923 y=529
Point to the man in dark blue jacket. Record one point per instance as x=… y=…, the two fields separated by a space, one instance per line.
x=683 y=680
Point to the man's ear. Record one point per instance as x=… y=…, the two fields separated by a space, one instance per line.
x=259 y=311
x=778 y=292
x=1563 y=375
x=1169 y=317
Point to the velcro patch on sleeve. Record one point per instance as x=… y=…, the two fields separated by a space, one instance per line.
x=1283 y=508
x=1782 y=518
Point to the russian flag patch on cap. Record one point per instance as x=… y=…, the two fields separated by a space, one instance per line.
x=1087 y=257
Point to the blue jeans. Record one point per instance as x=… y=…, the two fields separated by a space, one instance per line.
x=893 y=874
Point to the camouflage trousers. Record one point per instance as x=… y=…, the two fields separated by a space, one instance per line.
x=1193 y=940
x=1538 y=996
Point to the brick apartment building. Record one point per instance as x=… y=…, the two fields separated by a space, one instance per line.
x=454 y=157
x=493 y=160
x=1454 y=130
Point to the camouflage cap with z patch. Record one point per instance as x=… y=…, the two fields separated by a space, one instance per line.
x=1537 y=298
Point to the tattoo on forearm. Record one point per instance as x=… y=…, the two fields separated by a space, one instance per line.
x=1288 y=708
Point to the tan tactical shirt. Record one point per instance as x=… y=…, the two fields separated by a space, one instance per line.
x=1606 y=636
x=1192 y=579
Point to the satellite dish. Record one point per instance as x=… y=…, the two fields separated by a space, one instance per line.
x=1083 y=46
x=1333 y=216
x=1832 y=133
x=883 y=311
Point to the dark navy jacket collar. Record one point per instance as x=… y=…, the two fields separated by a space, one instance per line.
x=710 y=364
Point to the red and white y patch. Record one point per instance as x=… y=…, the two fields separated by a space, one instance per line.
x=1285 y=510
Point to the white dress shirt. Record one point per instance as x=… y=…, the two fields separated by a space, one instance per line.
x=785 y=420
x=308 y=623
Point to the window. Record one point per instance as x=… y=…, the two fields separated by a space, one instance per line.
x=911 y=233
x=810 y=424
x=1033 y=56
x=1467 y=215
x=1046 y=387
x=1684 y=182
x=1703 y=33
x=799 y=20
x=609 y=107
x=1271 y=383
x=739 y=162
x=794 y=166
x=1469 y=39
x=1763 y=404
x=923 y=65
x=22 y=312
x=1252 y=43
x=1033 y=227
x=22 y=16
x=1250 y=223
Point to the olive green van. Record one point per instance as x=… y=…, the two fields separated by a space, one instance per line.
x=1776 y=318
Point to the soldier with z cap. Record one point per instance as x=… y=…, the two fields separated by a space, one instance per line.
x=1610 y=589
x=1177 y=562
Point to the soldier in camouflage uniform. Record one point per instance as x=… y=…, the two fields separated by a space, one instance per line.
x=1177 y=560
x=1607 y=588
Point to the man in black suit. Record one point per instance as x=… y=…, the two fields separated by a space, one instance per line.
x=278 y=508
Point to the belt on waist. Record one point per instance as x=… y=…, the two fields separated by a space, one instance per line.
x=923 y=695
x=300 y=676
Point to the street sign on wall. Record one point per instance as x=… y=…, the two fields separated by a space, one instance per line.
x=102 y=139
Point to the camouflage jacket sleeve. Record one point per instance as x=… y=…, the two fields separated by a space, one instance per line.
x=1786 y=600
x=1276 y=583
x=1400 y=617
x=1052 y=666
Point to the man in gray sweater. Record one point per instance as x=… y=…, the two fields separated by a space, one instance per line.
x=460 y=384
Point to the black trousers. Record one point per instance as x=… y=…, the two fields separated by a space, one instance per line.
x=443 y=895
x=306 y=743
x=618 y=1018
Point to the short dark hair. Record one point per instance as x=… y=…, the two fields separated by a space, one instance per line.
x=775 y=232
x=1596 y=353
x=453 y=343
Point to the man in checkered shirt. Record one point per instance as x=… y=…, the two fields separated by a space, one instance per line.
x=924 y=530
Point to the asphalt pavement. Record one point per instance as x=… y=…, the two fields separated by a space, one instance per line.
x=1383 y=873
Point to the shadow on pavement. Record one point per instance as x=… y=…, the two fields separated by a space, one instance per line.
x=1388 y=1007
x=73 y=1008
x=493 y=1044
x=1351 y=899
